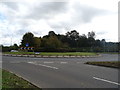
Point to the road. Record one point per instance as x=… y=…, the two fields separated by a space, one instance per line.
x=64 y=72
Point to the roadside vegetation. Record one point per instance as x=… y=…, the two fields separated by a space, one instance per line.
x=10 y=80
x=112 y=64
x=54 y=53
x=70 y=54
x=71 y=41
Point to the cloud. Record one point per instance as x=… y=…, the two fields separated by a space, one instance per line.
x=17 y=18
x=37 y=10
x=85 y=14
x=12 y=5
x=21 y=32
x=101 y=32
x=47 y=10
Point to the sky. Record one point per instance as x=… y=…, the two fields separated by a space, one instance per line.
x=39 y=17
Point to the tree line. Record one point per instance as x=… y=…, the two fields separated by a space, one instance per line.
x=70 y=42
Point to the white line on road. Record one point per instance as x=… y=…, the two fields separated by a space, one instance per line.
x=48 y=62
x=63 y=62
x=43 y=65
x=48 y=66
x=79 y=62
x=106 y=80
x=31 y=62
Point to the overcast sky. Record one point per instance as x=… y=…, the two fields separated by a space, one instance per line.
x=17 y=18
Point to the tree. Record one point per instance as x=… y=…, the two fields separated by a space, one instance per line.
x=91 y=38
x=37 y=42
x=73 y=35
x=14 y=47
x=51 y=43
x=51 y=33
x=82 y=41
x=64 y=40
x=71 y=41
x=28 y=38
x=91 y=34
x=72 y=38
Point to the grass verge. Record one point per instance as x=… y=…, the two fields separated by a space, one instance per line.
x=10 y=80
x=54 y=53
x=112 y=64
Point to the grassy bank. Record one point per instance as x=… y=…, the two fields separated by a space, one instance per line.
x=112 y=64
x=55 y=53
x=10 y=80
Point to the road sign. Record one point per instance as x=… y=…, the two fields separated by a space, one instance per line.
x=27 y=44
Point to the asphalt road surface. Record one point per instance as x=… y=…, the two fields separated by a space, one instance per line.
x=64 y=72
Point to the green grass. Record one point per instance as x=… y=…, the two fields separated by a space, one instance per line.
x=113 y=64
x=18 y=53
x=69 y=54
x=10 y=80
x=0 y=78
x=109 y=53
x=55 y=53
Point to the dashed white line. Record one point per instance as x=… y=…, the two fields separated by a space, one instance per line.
x=31 y=62
x=106 y=80
x=79 y=62
x=63 y=62
x=48 y=66
x=43 y=65
x=48 y=62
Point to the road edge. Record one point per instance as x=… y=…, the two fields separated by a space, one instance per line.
x=43 y=56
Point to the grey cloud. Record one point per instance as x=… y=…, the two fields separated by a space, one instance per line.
x=86 y=13
x=9 y=35
x=6 y=35
x=118 y=31
x=101 y=33
x=14 y=34
x=12 y=5
x=81 y=14
x=21 y=32
x=59 y=26
x=47 y=10
x=55 y=25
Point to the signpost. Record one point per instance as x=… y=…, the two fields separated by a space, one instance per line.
x=27 y=48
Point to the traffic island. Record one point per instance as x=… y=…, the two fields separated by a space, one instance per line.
x=52 y=54
x=112 y=64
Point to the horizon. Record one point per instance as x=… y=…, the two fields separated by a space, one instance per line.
x=56 y=34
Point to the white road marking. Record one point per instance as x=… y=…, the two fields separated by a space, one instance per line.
x=48 y=62
x=48 y=66
x=106 y=80
x=79 y=62
x=43 y=65
x=31 y=62
x=63 y=62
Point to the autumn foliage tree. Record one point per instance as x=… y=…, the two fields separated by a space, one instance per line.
x=71 y=41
